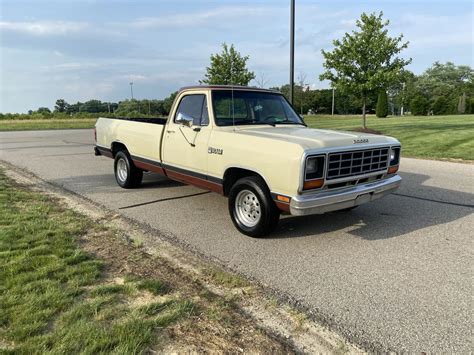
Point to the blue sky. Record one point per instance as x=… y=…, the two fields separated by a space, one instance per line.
x=78 y=50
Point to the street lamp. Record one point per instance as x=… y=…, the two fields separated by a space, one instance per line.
x=292 y=50
x=131 y=90
x=332 y=108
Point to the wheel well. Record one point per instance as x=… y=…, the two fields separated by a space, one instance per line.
x=117 y=147
x=231 y=176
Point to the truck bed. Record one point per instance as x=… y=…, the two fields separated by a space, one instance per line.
x=143 y=143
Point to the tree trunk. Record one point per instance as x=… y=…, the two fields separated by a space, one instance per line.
x=363 y=115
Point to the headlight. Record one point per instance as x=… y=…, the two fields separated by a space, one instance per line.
x=394 y=156
x=314 y=168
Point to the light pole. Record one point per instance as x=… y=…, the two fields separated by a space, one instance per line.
x=332 y=110
x=292 y=50
x=131 y=90
x=403 y=93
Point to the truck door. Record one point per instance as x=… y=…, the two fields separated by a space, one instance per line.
x=186 y=138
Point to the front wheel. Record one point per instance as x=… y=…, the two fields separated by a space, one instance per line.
x=126 y=173
x=251 y=207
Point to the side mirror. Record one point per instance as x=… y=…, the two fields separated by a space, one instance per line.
x=184 y=119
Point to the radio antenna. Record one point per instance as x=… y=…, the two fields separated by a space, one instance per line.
x=232 y=91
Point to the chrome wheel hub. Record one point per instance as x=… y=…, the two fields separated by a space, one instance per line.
x=122 y=171
x=248 y=208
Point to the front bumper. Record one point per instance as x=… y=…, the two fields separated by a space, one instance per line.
x=327 y=201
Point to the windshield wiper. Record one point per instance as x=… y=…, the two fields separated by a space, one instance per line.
x=291 y=122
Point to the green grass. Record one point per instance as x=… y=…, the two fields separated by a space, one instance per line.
x=434 y=137
x=54 y=297
x=30 y=125
x=226 y=279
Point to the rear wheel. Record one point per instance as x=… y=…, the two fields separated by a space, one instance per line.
x=251 y=207
x=126 y=173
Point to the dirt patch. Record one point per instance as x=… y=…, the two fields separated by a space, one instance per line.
x=217 y=325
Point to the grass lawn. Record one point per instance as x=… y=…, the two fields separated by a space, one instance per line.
x=53 y=296
x=72 y=284
x=30 y=125
x=435 y=137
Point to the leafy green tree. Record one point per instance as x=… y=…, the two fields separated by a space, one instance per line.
x=381 y=109
x=168 y=102
x=43 y=110
x=470 y=105
x=61 y=105
x=365 y=61
x=444 y=84
x=228 y=68
x=94 y=106
x=419 y=106
x=446 y=79
x=441 y=106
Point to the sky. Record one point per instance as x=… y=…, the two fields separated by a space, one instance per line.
x=93 y=49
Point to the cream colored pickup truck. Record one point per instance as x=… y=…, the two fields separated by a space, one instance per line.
x=250 y=145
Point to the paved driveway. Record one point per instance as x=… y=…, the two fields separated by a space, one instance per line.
x=394 y=274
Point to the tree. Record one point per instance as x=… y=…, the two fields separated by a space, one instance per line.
x=168 y=102
x=441 y=106
x=381 y=109
x=61 y=105
x=365 y=61
x=261 y=80
x=419 y=106
x=43 y=110
x=228 y=68
x=444 y=84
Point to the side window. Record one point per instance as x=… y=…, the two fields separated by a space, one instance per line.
x=194 y=106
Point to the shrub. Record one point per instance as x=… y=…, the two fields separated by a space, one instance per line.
x=470 y=105
x=381 y=109
x=419 y=106
x=441 y=106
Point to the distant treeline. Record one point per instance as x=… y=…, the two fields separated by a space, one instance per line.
x=96 y=108
x=443 y=89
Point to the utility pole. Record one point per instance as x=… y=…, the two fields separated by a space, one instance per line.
x=131 y=90
x=403 y=98
x=332 y=110
x=292 y=50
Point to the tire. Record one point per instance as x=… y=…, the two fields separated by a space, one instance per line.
x=127 y=174
x=251 y=207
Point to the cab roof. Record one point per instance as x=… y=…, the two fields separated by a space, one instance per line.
x=227 y=87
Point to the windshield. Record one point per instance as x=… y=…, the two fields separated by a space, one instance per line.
x=252 y=107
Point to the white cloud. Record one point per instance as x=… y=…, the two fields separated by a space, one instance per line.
x=44 y=28
x=200 y=18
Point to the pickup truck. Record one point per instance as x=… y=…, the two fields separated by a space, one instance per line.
x=251 y=146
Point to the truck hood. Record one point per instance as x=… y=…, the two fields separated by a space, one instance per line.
x=309 y=138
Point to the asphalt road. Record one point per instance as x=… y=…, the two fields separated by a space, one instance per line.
x=395 y=274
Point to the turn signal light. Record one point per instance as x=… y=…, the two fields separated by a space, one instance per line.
x=313 y=184
x=283 y=199
x=393 y=169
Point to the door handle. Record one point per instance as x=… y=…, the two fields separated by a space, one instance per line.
x=170 y=131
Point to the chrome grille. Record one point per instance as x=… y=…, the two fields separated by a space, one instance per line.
x=358 y=162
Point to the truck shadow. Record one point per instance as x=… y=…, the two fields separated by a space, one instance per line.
x=106 y=182
x=152 y=180
x=413 y=207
